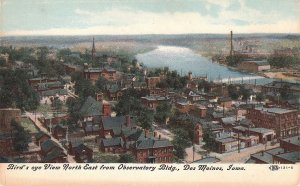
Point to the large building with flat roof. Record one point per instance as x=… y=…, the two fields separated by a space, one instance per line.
x=283 y=121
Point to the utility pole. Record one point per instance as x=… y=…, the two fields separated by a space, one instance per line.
x=238 y=142
x=231 y=44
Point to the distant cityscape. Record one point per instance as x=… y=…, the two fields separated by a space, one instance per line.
x=98 y=103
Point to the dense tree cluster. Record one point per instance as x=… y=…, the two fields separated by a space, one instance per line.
x=284 y=61
x=21 y=137
x=15 y=90
x=183 y=128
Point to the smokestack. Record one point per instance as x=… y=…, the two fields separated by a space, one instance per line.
x=128 y=120
x=231 y=45
x=159 y=136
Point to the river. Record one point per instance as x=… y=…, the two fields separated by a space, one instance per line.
x=184 y=60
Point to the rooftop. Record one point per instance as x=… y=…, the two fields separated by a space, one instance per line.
x=91 y=107
x=261 y=130
x=148 y=143
x=208 y=160
x=290 y=156
x=275 y=110
x=293 y=140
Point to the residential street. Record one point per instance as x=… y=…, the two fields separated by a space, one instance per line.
x=38 y=124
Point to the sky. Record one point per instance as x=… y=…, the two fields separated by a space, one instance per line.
x=127 y=17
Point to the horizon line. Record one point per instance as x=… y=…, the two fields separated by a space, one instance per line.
x=64 y=35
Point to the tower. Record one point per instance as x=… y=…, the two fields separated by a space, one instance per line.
x=93 y=50
x=231 y=45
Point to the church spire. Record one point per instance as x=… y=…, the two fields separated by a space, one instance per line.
x=93 y=50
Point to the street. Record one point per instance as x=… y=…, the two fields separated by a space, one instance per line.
x=38 y=124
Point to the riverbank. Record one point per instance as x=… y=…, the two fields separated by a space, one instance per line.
x=281 y=76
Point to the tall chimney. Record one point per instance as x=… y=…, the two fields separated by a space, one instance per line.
x=231 y=45
x=128 y=120
x=159 y=136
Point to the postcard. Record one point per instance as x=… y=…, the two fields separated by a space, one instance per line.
x=149 y=92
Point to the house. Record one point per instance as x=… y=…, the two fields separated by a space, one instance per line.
x=69 y=68
x=225 y=142
x=59 y=131
x=41 y=137
x=55 y=156
x=287 y=158
x=49 y=146
x=91 y=127
x=82 y=153
x=153 y=101
x=198 y=134
x=114 y=126
x=93 y=74
x=112 y=145
x=254 y=66
x=194 y=97
x=53 y=120
x=151 y=150
x=265 y=157
x=183 y=105
x=263 y=133
x=113 y=92
x=6 y=116
x=200 y=110
x=291 y=143
x=33 y=82
x=283 y=121
x=157 y=92
x=225 y=102
x=91 y=108
x=287 y=153
x=152 y=81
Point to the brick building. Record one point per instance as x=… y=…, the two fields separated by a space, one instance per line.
x=153 y=101
x=254 y=66
x=284 y=122
x=6 y=116
x=152 y=81
x=151 y=150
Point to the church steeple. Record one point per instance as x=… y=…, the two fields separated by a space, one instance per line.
x=93 y=50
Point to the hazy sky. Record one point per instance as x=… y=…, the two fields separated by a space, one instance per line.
x=80 y=17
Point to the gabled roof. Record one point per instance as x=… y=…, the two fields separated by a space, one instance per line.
x=224 y=99
x=40 y=134
x=118 y=141
x=149 y=143
x=118 y=125
x=56 y=153
x=48 y=145
x=91 y=107
x=80 y=148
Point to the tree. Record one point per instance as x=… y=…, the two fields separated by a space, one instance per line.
x=163 y=111
x=57 y=104
x=260 y=97
x=21 y=137
x=101 y=83
x=245 y=94
x=233 y=93
x=181 y=141
x=16 y=90
x=208 y=139
x=127 y=158
x=146 y=118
